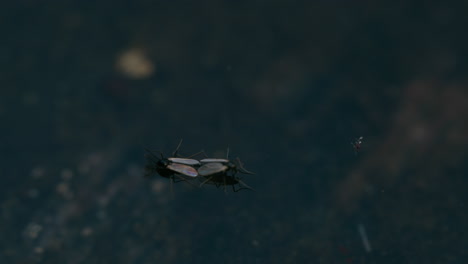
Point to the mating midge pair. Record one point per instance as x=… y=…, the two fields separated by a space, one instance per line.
x=218 y=172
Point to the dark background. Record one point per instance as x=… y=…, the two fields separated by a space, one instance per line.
x=286 y=85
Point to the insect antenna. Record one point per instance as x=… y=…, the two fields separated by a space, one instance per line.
x=156 y=159
x=150 y=154
x=174 y=154
x=202 y=152
x=198 y=153
x=150 y=167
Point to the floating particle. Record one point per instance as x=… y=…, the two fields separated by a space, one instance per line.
x=365 y=240
x=66 y=174
x=134 y=64
x=37 y=172
x=33 y=230
x=33 y=193
x=87 y=231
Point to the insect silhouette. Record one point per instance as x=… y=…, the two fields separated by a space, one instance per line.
x=222 y=172
x=357 y=145
x=175 y=168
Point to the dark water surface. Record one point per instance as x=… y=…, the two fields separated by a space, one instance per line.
x=286 y=85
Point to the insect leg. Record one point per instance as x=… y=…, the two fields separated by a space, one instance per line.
x=242 y=169
x=183 y=179
x=205 y=181
x=245 y=186
x=224 y=179
x=172 y=186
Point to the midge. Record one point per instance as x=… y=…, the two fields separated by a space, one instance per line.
x=171 y=167
x=357 y=144
x=222 y=172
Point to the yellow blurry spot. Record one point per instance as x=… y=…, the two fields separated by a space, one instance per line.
x=134 y=64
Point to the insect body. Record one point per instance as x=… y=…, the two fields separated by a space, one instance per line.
x=222 y=172
x=173 y=167
x=170 y=167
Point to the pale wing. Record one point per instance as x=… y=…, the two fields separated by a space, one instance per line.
x=185 y=161
x=214 y=160
x=183 y=169
x=211 y=168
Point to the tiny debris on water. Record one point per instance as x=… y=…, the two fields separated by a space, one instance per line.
x=33 y=193
x=37 y=172
x=32 y=230
x=66 y=174
x=64 y=190
x=158 y=186
x=87 y=231
x=38 y=250
x=357 y=144
x=364 y=238
x=135 y=64
x=255 y=243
